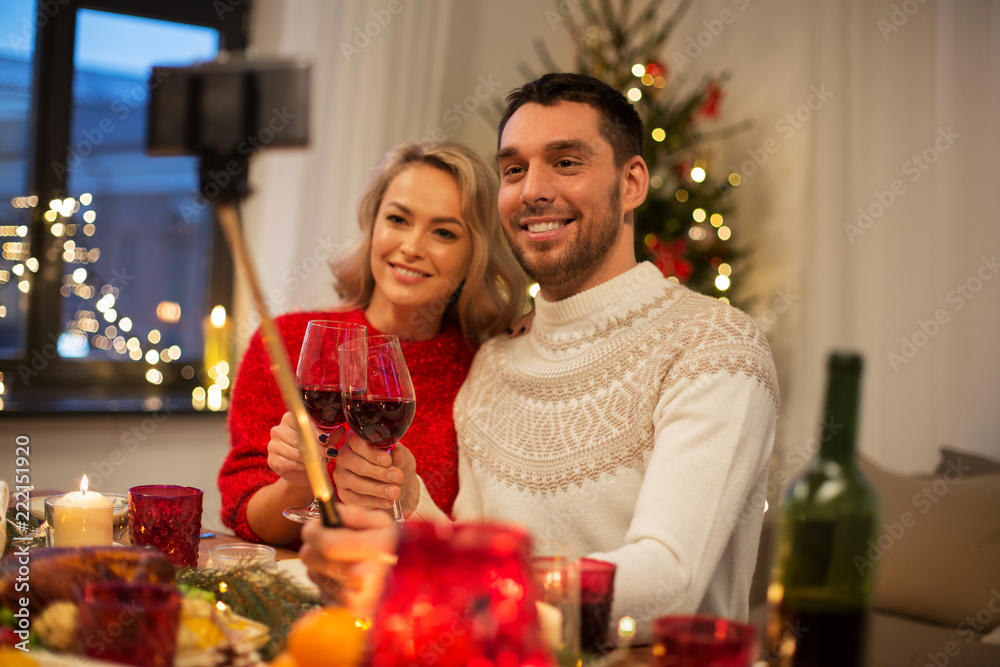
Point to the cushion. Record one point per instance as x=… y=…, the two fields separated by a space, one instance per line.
x=971 y=464
x=938 y=555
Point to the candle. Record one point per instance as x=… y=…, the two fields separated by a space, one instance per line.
x=82 y=518
x=216 y=332
x=550 y=620
x=215 y=328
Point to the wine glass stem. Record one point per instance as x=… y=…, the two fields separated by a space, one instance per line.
x=397 y=512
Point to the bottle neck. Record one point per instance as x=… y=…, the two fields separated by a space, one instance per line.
x=841 y=415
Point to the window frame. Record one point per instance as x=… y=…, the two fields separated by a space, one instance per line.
x=61 y=385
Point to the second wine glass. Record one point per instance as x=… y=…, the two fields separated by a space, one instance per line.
x=318 y=379
x=379 y=401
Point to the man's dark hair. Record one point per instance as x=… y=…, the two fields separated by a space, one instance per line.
x=620 y=124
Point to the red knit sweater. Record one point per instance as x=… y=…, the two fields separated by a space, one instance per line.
x=437 y=368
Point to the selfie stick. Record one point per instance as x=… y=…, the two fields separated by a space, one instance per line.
x=229 y=221
x=223 y=112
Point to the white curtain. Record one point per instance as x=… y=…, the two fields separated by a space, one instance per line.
x=902 y=235
x=378 y=71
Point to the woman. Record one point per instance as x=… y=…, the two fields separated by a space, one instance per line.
x=432 y=266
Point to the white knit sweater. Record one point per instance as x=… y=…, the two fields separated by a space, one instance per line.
x=636 y=422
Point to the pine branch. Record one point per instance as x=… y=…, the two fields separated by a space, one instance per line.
x=545 y=57
x=271 y=599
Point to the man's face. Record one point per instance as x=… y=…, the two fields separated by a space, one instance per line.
x=560 y=194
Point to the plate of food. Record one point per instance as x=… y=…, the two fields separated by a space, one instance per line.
x=209 y=634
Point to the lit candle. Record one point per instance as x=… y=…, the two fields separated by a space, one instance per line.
x=215 y=328
x=550 y=620
x=82 y=518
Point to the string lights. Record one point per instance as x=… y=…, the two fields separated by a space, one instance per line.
x=98 y=323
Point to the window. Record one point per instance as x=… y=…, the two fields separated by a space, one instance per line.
x=112 y=278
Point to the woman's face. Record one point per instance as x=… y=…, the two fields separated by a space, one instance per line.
x=421 y=243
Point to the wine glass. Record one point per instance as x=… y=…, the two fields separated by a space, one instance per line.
x=318 y=381
x=379 y=402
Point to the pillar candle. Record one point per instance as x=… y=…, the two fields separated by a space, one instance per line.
x=82 y=518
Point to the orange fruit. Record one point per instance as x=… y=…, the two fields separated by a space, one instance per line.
x=327 y=637
x=14 y=657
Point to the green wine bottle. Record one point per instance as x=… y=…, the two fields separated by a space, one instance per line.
x=819 y=595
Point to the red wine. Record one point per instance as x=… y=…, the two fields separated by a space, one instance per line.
x=594 y=618
x=324 y=406
x=380 y=421
x=821 y=638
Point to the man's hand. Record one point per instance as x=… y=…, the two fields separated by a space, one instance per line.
x=351 y=564
x=368 y=477
x=284 y=455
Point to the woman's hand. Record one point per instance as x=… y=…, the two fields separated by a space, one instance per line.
x=522 y=325
x=369 y=477
x=351 y=564
x=284 y=455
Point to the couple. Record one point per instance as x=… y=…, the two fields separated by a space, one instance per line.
x=635 y=419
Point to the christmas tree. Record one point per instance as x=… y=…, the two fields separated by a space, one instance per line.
x=682 y=226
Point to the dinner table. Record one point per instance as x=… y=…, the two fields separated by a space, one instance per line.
x=289 y=564
x=628 y=656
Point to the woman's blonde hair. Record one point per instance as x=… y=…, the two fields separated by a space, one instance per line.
x=494 y=291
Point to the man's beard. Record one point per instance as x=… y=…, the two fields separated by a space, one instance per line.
x=580 y=258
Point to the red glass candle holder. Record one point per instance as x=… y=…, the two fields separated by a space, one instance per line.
x=131 y=623
x=702 y=641
x=597 y=592
x=168 y=518
x=460 y=595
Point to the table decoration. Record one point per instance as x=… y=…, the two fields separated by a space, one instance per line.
x=240 y=556
x=702 y=641
x=272 y=599
x=80 y=519
x=132 y=623
x=227 y=618
x=597 y=589
x=30 y=534
x=168 y=518
x=460 y=594
x=558 y=579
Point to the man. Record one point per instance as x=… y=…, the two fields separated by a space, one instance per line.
x=636 y=418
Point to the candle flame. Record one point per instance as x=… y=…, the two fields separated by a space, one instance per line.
x=626 y=626
x=218 y=317
x=84 y=485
